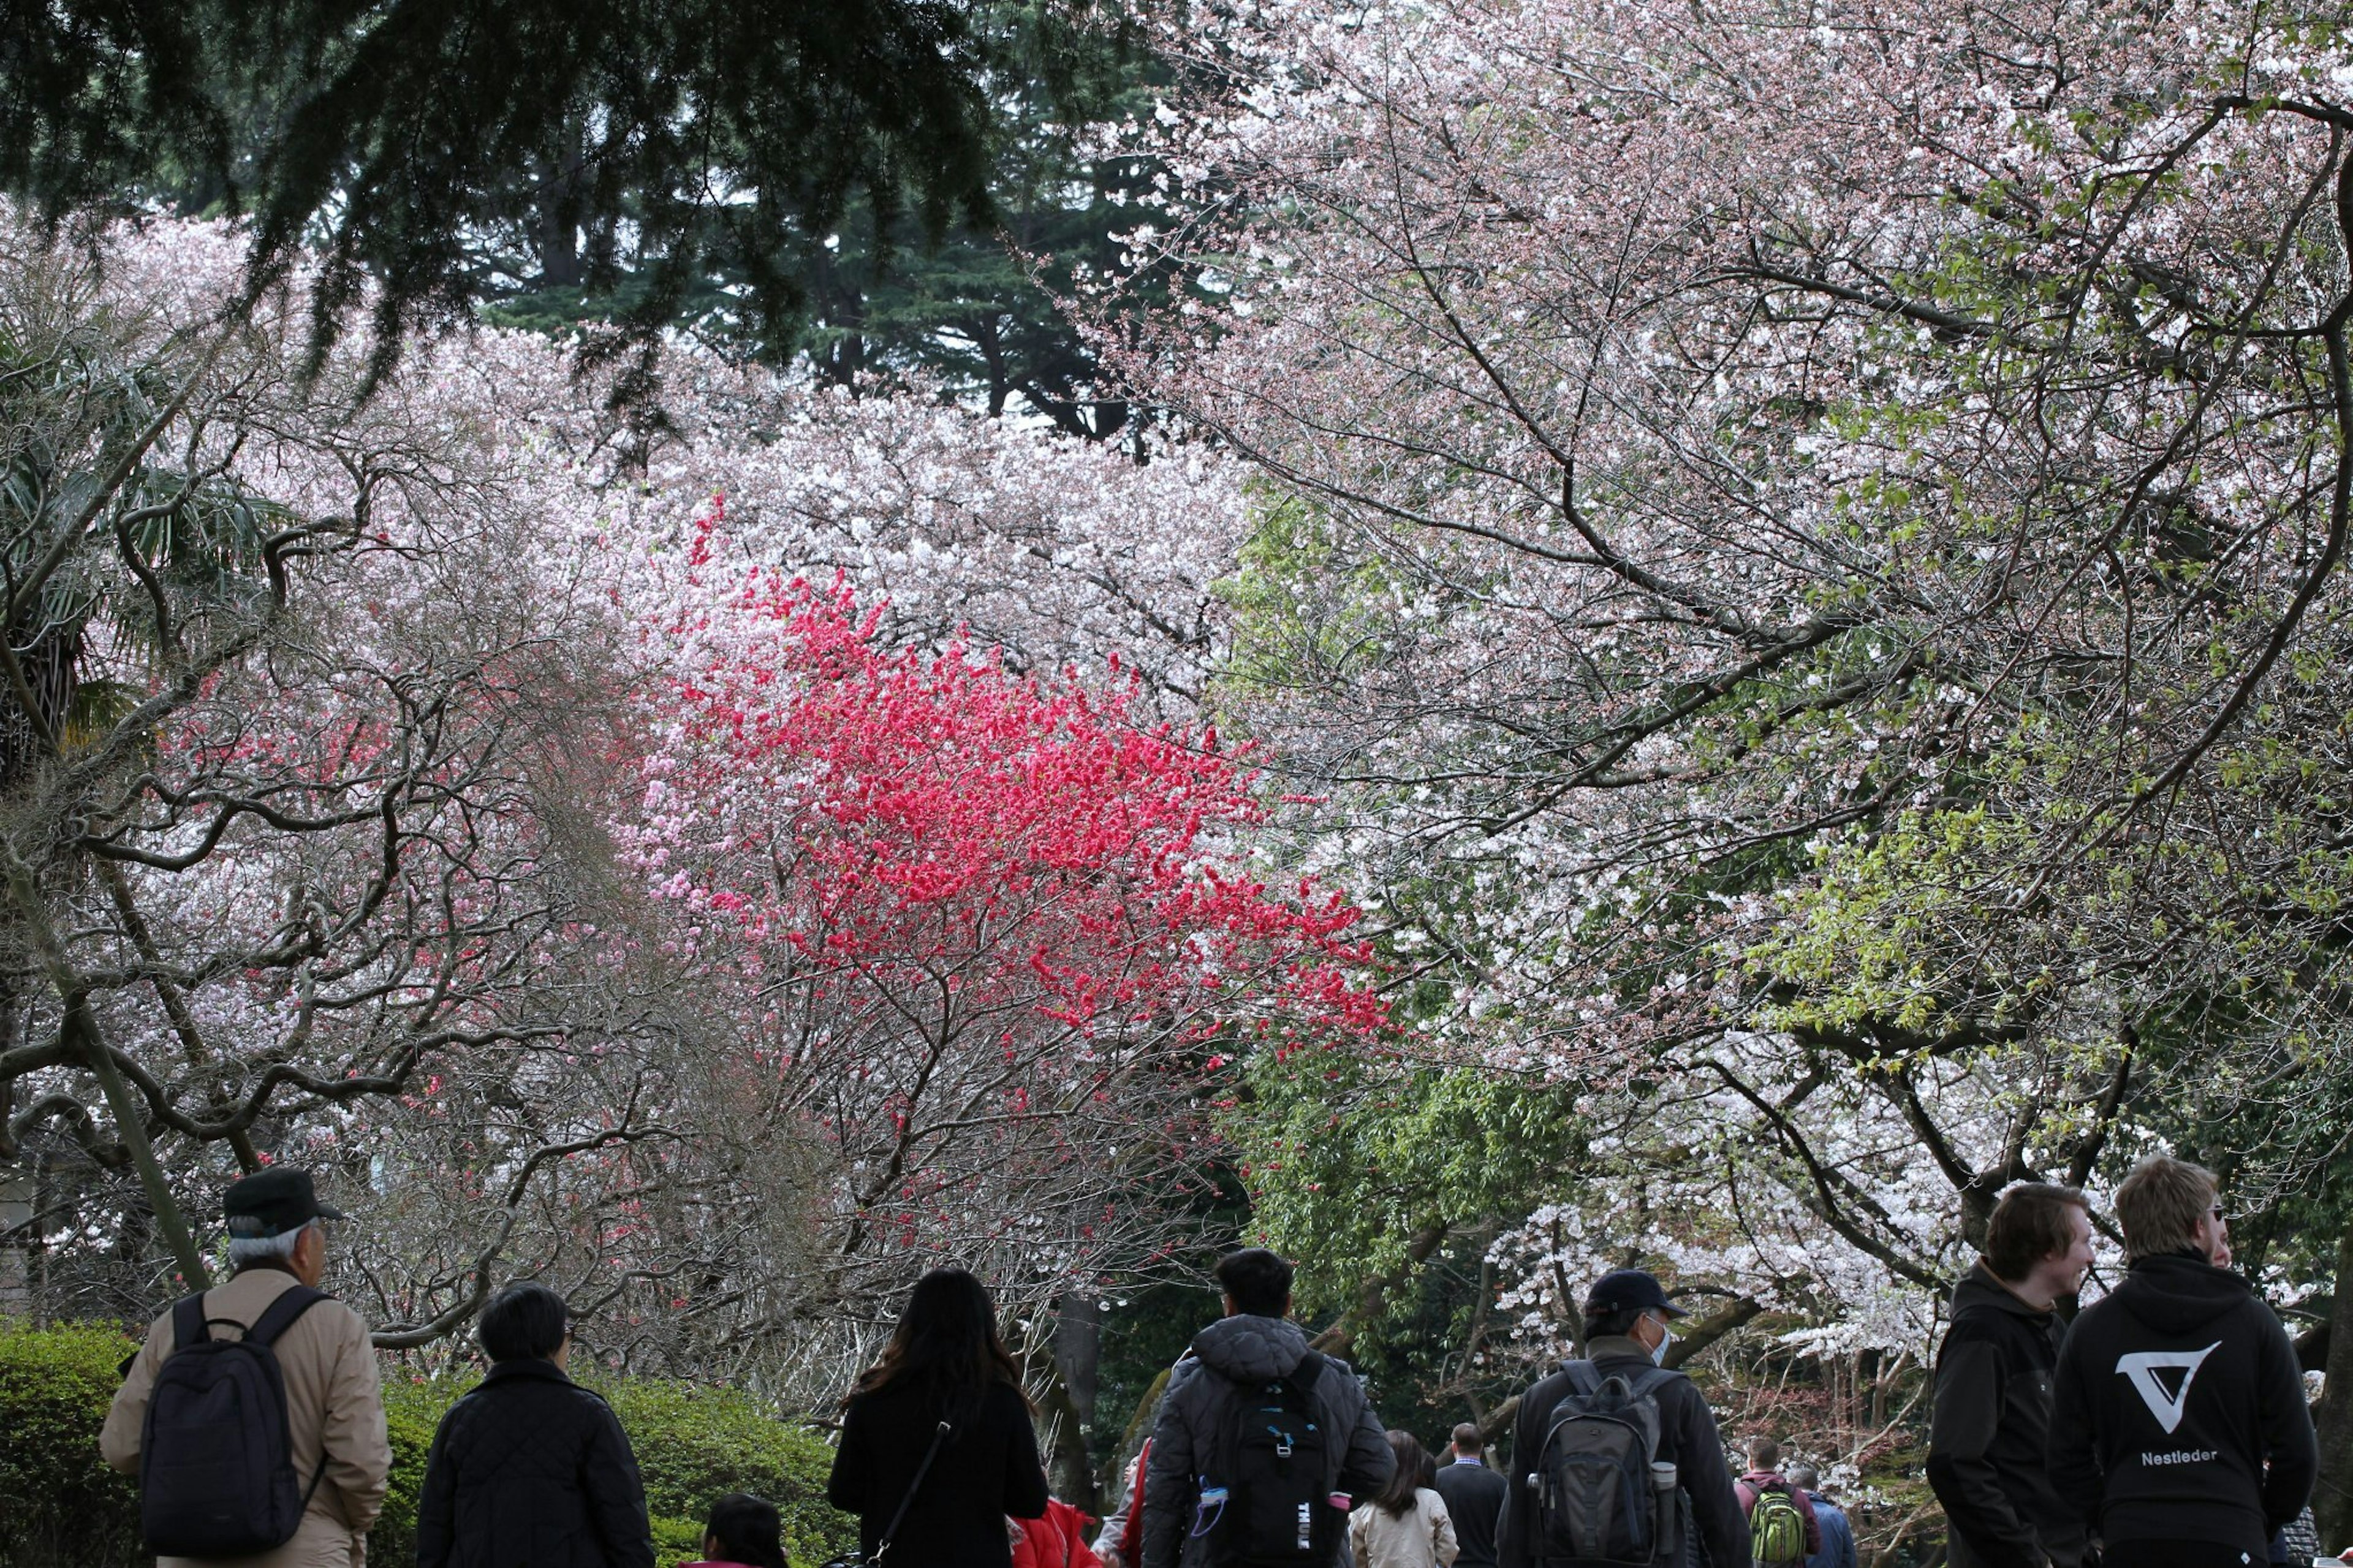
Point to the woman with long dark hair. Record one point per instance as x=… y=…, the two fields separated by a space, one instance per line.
x=936 y=1445
x=1406 y=1525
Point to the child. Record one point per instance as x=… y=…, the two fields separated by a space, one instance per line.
x=1056 y=1540
x=744 y=1532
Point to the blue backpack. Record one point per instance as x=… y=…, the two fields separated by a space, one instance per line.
x=215 y=1459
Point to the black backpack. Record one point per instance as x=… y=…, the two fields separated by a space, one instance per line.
x=1595 y=1499
x=216 y=1465
x=1273 y=1506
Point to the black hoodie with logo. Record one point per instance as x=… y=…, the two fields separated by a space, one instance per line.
x=2174 y=1393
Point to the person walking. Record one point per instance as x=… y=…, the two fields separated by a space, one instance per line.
x=1991 y=1418
x=1627 y=1315
x=1765 y=1484
x=330 y=1479
x=2179 y=1420
x=1474 y=1498
x=529 y=1466
x=1216 y=1490
x=1838 y=1533
x=938 y=1449
x=1406 y=1524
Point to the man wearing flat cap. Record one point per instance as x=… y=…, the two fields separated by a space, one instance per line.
x=1626 y=1318
x=334 y=1407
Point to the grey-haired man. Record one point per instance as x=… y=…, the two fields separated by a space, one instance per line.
x=335 y=1405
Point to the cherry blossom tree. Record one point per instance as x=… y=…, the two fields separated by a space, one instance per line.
x=1802 y=548
x=378 y=823
x=273 y=754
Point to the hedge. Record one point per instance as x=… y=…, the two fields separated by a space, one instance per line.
x=60 y=1504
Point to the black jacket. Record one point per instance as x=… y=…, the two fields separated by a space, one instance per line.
x=987 y=1470
x=1190 y=1431
x=2173 y=1394
x=1687 y=1439
x=1992 y=1424
x=531 y=1468
x=1474 y=1500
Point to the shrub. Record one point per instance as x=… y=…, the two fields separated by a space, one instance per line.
x=60 y=1504
x=696 y=1443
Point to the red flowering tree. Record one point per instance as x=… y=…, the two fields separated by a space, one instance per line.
x=983 y=932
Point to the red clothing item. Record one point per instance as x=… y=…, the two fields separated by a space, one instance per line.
x=1755 y=1481
x=1056 y=1540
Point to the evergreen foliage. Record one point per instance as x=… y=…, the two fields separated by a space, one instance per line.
x=687 y=141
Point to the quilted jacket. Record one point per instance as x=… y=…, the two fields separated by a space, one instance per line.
x=531 y=1470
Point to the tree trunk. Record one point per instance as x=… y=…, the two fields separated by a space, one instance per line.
x=130 y=1116
x=556 y=217
x=1078 y=1348
x=2332 y=1495
x=130 y=1125
x=1063 y=1436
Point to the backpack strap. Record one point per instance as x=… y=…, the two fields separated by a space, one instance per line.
x=1584 y=1378
x=1651 y=1380
x=282 y=1314
x=1308 y=1372
x=188 y=1326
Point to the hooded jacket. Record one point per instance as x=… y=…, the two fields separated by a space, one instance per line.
x=2173 y=1394
x=1189 y=1436
x=1687 y=1439
x=1992 y=1424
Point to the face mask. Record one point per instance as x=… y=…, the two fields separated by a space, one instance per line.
x=1658 y=1351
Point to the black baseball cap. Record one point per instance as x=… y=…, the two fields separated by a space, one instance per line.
x=1631 y=1288
x=273 y=1201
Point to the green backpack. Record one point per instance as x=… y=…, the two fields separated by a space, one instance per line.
x=1776 y=1531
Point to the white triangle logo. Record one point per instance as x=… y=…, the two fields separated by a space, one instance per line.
x=2142 y=1367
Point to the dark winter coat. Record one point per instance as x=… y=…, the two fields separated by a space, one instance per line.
x=2174 y=1393
x=1474 y=1500
x=1991 y=1422
x=531 y=1468
x=1189 y=1433
x=1687 y=1439
x=986 y=1470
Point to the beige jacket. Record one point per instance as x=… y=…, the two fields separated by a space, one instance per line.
x=333 y=1402
x=1421 y=1537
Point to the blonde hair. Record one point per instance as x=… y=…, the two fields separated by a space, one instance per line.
x=2160 y=1203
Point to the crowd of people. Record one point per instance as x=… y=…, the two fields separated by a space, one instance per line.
x=2164 y=1426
